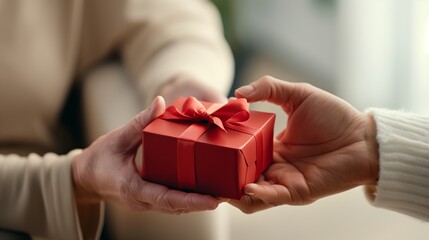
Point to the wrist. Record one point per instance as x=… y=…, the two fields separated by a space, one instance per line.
x=372 y=150
x=82 y=191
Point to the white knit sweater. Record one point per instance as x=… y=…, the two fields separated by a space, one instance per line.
x=403 y=184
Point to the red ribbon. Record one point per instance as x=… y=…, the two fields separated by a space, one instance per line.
x=192 y=110
x=230 y=114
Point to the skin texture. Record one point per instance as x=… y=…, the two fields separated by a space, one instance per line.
x=106 y=170
x=326 y=147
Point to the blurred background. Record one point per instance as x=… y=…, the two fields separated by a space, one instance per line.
x=371 y=53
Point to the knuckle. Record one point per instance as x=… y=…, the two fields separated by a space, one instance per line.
x=303 y=85
x=188 y=200
x=136 y=123
x=124 y=190
x=164 y=202
x=266 y=79
x=129 y=189
x=132 y=198
x=168 y=204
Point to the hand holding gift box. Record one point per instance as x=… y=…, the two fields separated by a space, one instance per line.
x=208 y=148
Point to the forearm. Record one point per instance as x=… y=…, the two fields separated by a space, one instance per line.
x=37 y=196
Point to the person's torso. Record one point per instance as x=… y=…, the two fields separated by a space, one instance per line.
x=38 y=50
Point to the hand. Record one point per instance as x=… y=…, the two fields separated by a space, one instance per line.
x=106 y=170
x=327 y=146
x=186 y=87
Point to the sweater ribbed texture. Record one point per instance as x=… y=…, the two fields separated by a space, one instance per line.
x=403 y=184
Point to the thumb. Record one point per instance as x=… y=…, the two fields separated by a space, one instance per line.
x=130 y=134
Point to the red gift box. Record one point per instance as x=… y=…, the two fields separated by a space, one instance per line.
x=208 y=148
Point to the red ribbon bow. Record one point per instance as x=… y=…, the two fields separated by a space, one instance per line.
x=234 y=111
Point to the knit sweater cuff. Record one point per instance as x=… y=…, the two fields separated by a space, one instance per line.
x=403 y=184
x=37 y=197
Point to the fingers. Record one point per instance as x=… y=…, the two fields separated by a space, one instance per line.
x=249 y=204
x=271 y=194
x=266 y=88
x=173 y=200
x=262 y=195
x=134 y=127
x=130 y=135
x=274 y=90
x=151 y=196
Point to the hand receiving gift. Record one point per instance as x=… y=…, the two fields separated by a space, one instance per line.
x=208 y=148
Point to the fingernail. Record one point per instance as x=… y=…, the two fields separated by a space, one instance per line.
x=154 y=102
x=245 y=90
x=250 y=193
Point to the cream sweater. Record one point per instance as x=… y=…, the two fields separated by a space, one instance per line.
x=44 y=45
x=403 y=184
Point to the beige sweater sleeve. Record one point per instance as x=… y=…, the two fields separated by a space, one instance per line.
x=36 y=197
x=403 y=184
x=159 y=41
